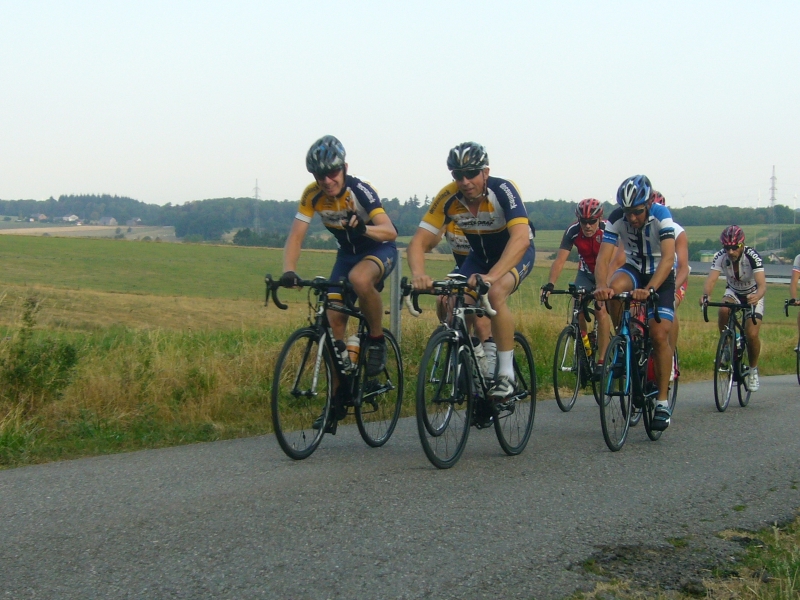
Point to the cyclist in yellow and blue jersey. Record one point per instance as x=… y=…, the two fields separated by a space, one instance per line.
x=351 y=210
x=490 y=212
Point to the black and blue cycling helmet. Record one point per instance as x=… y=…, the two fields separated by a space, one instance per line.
x=634 y=191
x=467 y=156
x=325 y=155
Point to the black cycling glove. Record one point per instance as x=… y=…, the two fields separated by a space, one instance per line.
x=360 y=228
x=290 y=279
x=546 y=289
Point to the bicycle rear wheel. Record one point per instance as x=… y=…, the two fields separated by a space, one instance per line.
x=615 y=404
x=723 y=370
x=513 y=419
x=444 y=399
x=743 y=364
x=567 y=369
x=381 y=397
x=301 y=392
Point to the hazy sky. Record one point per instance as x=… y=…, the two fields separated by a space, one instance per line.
x=172 y=101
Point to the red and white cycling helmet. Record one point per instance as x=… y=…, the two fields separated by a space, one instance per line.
x=658 y=198
x=732 y=236
x=589 y=209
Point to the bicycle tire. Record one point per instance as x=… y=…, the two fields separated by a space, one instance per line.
x=724 y=363
x=513 y=419
x=673 y=384
x=650 y=391
x=615 y=405
x=381 y=397
x=741 y=388
x=444 y=399
x=295 y=405
x=797 y=361
x=567 y=369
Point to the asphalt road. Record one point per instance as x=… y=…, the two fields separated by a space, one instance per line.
x=238 y=519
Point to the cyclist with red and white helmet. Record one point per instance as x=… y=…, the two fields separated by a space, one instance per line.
x=746 y=283
x=490 y=212
x=586 y=234
x=646 y=232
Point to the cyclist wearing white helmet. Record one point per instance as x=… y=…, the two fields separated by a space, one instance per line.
x=490 y=212
x=647 y=234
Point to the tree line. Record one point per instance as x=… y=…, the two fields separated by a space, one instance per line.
x=269 y=221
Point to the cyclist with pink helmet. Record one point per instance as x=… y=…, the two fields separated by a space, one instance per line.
x=585 y=234
x=746 y=283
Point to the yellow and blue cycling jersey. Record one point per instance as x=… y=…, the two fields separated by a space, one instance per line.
x=459 y=244
x=358 y=196
x=487 y=230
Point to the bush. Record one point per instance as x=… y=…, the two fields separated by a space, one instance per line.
x=33 y=371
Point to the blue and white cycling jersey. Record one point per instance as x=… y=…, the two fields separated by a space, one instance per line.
x=642 y=246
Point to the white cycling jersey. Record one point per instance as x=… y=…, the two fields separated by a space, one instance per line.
x=642 y=246
x=740 y=275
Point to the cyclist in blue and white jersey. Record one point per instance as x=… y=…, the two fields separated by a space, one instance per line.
x=647 y=234
x=490 y=212
x=746 y=283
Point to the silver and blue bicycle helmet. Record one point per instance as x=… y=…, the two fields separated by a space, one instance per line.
x=325 y=155
x=467 y=156
x=634 y=191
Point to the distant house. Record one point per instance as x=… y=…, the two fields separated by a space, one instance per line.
x=108 y=221
x=38 y=217
x=133 y=222
x=71 y=218
x=707 y=255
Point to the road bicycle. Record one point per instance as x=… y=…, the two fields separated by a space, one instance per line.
x=310 y=367
x=627 y=385
x=786 y=304
x=731 y=363
x=452 y=388
x=573 y=369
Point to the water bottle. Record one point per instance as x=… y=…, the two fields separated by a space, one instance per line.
x=341 y=348
x=353 y=349
x=479 y=353
x=490 y=349
x=587 y=344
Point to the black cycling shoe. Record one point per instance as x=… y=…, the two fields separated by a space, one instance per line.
x=661 y=418
x=337 y=413
x=376 y=357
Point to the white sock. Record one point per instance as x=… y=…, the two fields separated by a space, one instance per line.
x=505 y=364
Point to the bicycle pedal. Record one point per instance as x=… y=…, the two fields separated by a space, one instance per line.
x=331 y=426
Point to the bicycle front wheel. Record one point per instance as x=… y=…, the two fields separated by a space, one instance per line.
x=567 y=369
x=381 y=397
x=797 y=360
x=723 y=370
x=301 y=393
x=444 y=399
x=513 y=419
x=615 y=404
x=673 y=381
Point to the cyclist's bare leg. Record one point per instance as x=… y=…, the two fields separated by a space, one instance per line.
x=676 y=325
x=724 y=314
x=364 y=277
x=753 y=341
x=603 y=329
x=483 y=328
x=620 y=282
x=662 y=354
x=502 y=324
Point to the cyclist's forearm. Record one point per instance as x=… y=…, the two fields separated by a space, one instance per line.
x=557 y=266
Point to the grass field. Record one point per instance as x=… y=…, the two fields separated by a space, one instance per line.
x=172 y=342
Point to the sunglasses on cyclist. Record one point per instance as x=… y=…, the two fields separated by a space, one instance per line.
x=458 y=175
x=635 y=211
x=728 y=247
x=588 y=221
x=333 y=174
